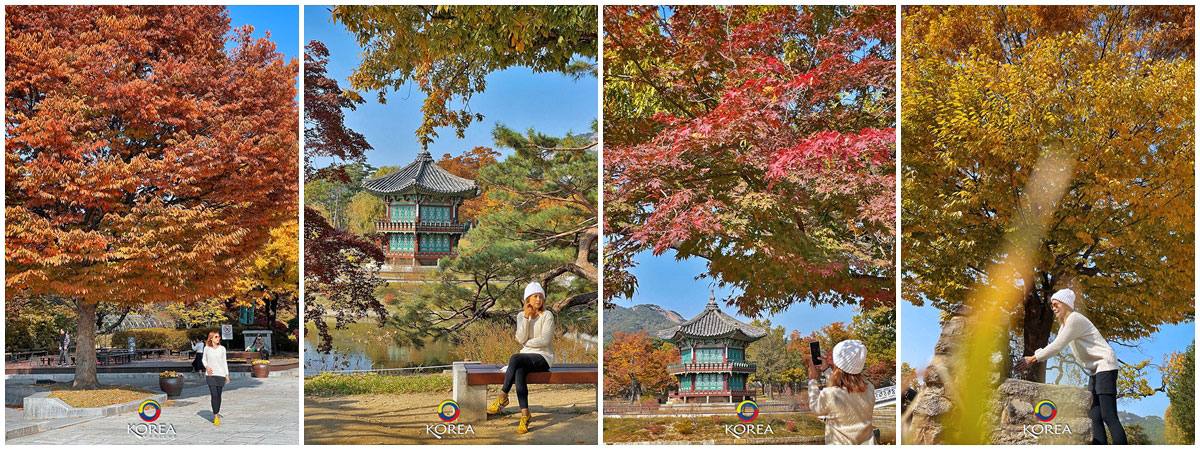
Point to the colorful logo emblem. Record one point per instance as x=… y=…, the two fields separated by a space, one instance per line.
x=450 y=406
x=747 y=411
x=149 y=410
x=1045 y=411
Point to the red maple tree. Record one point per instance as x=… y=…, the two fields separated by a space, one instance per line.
x=145 y=163
x=759 y=138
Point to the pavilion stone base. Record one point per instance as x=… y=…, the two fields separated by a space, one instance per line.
x=709 y=399
x=698 y=408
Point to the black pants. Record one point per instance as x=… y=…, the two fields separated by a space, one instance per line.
x=520 y=365
x=1103 y=386
x=198 y=363
x=215 y=386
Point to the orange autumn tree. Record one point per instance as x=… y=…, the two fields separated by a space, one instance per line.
x=145 y=162
x=634 y=357
x=467 y=165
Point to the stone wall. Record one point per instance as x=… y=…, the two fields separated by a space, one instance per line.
x=1010 y=408
x=1014 y=402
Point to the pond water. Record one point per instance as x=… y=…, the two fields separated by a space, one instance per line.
x=365 y=346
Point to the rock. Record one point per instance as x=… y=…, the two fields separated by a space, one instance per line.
x=1016 y=402
x=1011 y=416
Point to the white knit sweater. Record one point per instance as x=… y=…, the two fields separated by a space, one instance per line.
x=848 y=420
x=537 y=335
x=214 y=358
x=1085 y=341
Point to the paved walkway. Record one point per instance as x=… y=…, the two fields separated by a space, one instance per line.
x=254 y=411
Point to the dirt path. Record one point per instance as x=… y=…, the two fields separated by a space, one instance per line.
x=560 y=416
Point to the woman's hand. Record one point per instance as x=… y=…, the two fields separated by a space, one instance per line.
x=1024 y=364
x=814 y=372
x=208 y=370
x=530 y=312
x=226 y=379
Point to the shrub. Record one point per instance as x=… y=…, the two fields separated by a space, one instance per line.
x=492 y=342
x=685 y=427
x=651 y=403
x=279 y=338
x=790 y=425
x=655 y=428
x=329 y=384
x=153 y=338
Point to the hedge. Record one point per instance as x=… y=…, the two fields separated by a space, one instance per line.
x=282 y=340
x=153 y=338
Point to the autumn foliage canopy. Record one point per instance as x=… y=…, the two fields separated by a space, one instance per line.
x=990 y=90
x=758 y=138
x=145 y=162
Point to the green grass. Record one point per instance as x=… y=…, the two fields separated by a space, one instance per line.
x=704 y=428
x=328 y=384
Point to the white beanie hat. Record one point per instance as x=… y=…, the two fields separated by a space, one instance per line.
x=850 y=356
x=1066 y=296
x=533 y=288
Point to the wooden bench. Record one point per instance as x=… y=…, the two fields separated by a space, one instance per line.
x=471 y=380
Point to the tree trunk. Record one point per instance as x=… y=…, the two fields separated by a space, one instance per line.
x=85 y=346
x=1039 y=318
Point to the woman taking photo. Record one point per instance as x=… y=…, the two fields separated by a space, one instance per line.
x=848 y=402
x=217 y=372
x=535 y=331
x=1095 y=355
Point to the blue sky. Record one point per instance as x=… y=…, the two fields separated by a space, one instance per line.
x=916 y=349
x=282 y=21
x=551 y=103
x=672 y=285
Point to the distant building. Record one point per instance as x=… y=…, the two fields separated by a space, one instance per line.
x=421 y=223
x=712 y=351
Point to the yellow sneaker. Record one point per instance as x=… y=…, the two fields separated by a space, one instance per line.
x=497 y=405
x=216 y=420
x=523 y=427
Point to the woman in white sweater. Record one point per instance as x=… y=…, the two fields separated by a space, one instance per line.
x=535 y=331
x=848 y=402
x=217 y=371
x=1095 y=355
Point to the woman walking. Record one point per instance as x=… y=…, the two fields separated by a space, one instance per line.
x=198 y=349
x=848 y=402
x=535 y=331
x=1095 y=355
x=217 y=372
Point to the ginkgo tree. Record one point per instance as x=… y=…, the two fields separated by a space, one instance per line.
x=987 y=91
x=760 y=138
x=146 y=163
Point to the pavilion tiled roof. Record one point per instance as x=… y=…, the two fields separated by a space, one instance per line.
x=422 y=175
x=712 y=322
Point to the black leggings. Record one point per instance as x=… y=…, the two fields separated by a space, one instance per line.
x=520 y=365
x=1103 y=386
x=215 y=386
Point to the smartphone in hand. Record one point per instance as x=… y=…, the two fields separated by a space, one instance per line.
x=814 y=348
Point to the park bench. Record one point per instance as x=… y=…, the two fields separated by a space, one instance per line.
x=105 y=358
x=471 y=380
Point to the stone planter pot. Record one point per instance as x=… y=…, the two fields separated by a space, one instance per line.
x=172 y=386
x=260 y=370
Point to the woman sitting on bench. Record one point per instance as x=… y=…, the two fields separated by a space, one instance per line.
x=535 y=330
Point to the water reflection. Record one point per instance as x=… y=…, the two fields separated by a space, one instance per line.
x=364 y=346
